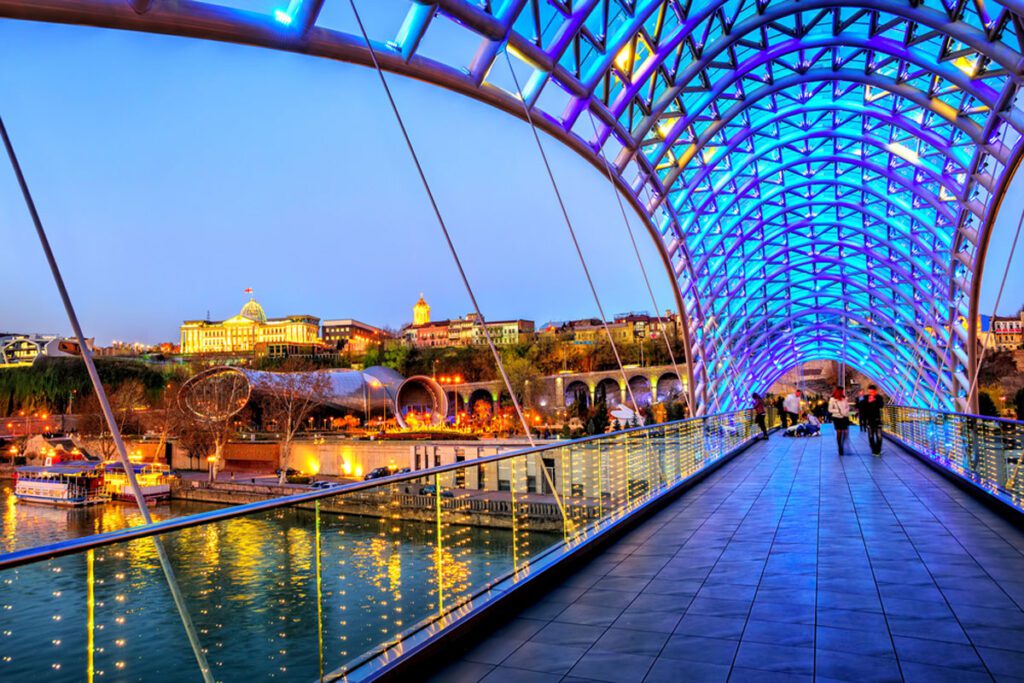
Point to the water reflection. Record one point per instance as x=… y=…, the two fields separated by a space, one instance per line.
x=26 y=525
x=261 y=602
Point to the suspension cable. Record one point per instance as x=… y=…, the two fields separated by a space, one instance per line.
x=572 y=231
x=108 y=414
x=716 y=344
x=995 y=310
x=715 y=400
x=713 y=342
x=442 y=224
x=643 y=269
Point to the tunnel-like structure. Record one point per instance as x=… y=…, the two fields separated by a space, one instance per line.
x=822 y=177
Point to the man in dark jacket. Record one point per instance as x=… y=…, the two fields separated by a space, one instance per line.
x=869 y=410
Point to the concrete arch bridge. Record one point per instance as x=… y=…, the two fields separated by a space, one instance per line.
x=648 y=385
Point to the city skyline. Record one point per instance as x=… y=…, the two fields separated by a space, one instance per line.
x=245 y=154
x=248 y=199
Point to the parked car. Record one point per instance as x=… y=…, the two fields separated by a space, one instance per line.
x=404 y=470
x=430 y=490
x=378 y=472
x=324 y=485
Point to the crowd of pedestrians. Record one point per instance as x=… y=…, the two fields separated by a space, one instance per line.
x=798 y=419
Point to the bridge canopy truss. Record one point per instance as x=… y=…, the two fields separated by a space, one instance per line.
x=822 y=177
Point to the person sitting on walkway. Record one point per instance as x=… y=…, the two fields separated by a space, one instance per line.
x=811 y=426
x=870 y=410
x=759 y=414
x=839 y=409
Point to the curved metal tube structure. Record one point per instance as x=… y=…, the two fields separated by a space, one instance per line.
x=822 y=176
x=222 y=392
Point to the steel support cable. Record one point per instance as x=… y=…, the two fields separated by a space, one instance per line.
x=108 y=414
x=643 y=269
x=440 y=221
x=973 y=403
x=572 y=231
x=458 y=263
x=715 y=342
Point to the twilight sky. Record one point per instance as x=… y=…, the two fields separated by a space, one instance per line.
x=173 y=173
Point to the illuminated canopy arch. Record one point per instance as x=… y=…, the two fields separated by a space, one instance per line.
x=822 y=176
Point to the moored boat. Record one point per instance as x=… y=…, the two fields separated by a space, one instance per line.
x=153 y=478
x=71 y=484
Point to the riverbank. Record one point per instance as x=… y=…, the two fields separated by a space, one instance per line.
x=489 y=509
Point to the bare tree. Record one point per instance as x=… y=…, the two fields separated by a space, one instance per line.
x=288 y=399
x=125 y=400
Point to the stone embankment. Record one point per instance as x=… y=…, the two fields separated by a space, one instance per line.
x=402 y=501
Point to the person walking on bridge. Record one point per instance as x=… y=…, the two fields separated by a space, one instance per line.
x=791 y=404
x=839 y=409
x=759 y=414
x=870 y=412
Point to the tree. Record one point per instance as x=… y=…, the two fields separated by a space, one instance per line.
x=997 y=366
x=599 y=418
x=397 y=357
x=125 y=400
x=986 y=406
x=212 y=404
x=522 y=376
x=194 y=436
x=288 y=398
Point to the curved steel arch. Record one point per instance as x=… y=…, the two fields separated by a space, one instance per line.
x=668 y=80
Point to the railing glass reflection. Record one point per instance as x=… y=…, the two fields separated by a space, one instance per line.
x=983 y=450
x=313 y=585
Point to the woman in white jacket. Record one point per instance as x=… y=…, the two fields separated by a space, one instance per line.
x=839 y=409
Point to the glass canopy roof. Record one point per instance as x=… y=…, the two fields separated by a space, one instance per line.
x=822 y=177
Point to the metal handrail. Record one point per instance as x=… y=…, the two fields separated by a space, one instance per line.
x=70 y=547
x=987 y=418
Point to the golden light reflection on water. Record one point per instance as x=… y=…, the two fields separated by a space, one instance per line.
x=252 y=580
x=10 y=521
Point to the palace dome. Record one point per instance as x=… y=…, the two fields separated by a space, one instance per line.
x=253 y=311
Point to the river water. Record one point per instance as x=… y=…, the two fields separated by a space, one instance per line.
x=262 y=605
x=27 y=525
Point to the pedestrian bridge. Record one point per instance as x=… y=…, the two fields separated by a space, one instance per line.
x=788 y=564
x=821 y=177
x=687 y=549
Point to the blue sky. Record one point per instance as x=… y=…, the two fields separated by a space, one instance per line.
x=174 y=173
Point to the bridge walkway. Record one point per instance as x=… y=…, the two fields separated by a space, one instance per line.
x=788 y=564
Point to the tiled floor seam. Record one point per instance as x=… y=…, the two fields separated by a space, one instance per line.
x=749 y=473
x=899 y=521
x=717 y=477
x=795 y=475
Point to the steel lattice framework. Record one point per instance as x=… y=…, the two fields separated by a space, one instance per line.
x=822 y=176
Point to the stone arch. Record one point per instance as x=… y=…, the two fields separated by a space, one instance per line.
x=576 y=389
x=669 y=386
x=640 y=386
x=610 y=390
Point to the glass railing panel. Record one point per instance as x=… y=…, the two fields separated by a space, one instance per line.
x=984 y=450
x=585 y=503
x=317 y=586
